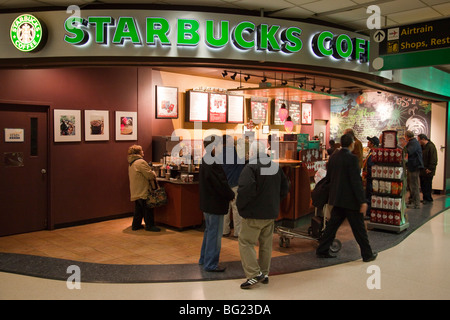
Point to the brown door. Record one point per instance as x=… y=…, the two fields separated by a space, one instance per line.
x=23 y=169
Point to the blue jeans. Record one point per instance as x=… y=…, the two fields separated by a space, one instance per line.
x=212 y=241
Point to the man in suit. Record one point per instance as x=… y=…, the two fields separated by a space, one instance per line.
x=348 y=200
x=430 y=160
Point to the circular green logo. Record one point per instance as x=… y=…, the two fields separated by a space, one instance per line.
x=26 y=33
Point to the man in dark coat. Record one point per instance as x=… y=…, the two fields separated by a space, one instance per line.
x=262 y=185
x=348 y=200
x=430 y=160
x=215 y=197
x=414 y=165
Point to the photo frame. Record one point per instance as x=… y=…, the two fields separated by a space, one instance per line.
x=306 y=113
x=166 y=102
x=67 y=125
x=126 y=126
x=96 y=125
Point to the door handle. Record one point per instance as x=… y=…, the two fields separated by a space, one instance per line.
x=442 y=147
x=43 y=171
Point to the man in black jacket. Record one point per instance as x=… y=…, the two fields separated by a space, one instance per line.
x=215 y=197
x=414 y=165
x=430 y=160
x=348 y=200
x=261 y=188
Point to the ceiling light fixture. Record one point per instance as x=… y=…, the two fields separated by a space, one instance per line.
x=247 y=78
x=234 y=76
x=224 y=73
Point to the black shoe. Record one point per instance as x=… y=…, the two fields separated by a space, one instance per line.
x=137 y=228
x=325 y=255
x=153 y=229
x=266 y=280
x=217 y=269
x=251 y=282
x=372 y=258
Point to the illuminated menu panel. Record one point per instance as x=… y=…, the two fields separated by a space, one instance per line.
x=197 y=109
x=235 y=109
x=218 y=108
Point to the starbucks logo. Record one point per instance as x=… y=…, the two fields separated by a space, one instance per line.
x=27 y=33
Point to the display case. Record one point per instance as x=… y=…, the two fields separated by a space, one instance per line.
x=389 y=190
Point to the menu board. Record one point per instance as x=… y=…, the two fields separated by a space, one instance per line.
x=218 y=108
x=295 y=112
x=235 y=109
x=259 y=108
x=197 y=106
x=276 y=109
x=293 y=108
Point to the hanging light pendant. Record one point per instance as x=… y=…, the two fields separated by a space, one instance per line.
x=282 y=112
x=288 y=124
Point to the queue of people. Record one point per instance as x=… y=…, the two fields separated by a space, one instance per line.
x=232 y=184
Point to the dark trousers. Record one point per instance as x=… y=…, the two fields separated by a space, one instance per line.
x=426 y=183
x=142 y=211
x=356 y=220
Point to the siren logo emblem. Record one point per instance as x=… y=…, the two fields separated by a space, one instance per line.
x=26 y=33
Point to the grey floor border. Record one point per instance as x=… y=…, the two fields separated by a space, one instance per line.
x=57 y=269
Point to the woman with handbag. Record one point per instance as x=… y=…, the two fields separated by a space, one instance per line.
x=142 y=179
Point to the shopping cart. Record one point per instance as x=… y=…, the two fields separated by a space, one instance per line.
x=314 y=233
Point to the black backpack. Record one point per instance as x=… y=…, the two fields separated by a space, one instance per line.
x=320 y=193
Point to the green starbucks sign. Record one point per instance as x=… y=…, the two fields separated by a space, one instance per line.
x=27 y=33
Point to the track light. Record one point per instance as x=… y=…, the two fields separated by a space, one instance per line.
x=247 y=78
x=313 y=88
x=300 y=85
x=284 y=82
x=234 y=76
x=323 y=89
x=329 y=90
x=224 y=73
x=264 y=79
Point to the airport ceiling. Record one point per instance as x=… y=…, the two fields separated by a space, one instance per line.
x=347 y=14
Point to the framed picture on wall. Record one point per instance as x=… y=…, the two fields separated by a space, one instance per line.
x=67 y=125
x=166 y=102
x=306 y=113
x=96 y=125
x=126 y=125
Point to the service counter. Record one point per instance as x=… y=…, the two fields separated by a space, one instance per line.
x=183 y=207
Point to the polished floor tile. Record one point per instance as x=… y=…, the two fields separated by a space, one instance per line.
x=417 y=268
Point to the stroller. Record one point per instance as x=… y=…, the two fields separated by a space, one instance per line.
x=314 y=232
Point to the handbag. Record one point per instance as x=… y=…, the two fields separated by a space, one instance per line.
x=156 y=197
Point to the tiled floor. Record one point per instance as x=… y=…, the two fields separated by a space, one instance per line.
x=113 y=242
x=417 y=268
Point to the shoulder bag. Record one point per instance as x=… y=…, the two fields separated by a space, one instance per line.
x=156 y=197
